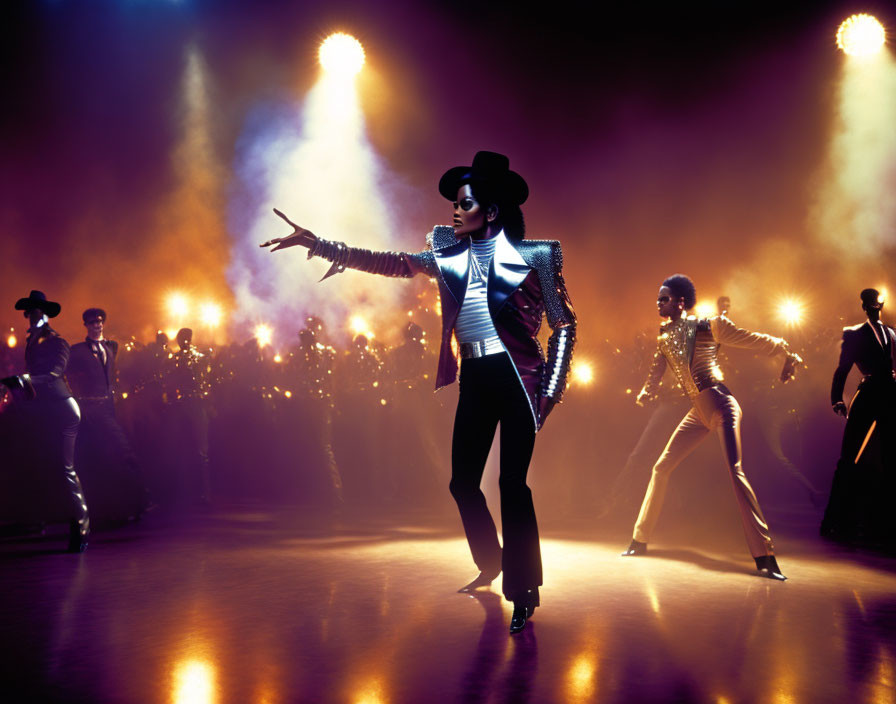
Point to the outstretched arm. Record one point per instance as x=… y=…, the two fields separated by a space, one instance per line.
x=727 y=333
x=344 y=257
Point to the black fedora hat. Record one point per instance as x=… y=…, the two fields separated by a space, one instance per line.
x=38 y=299
x=490 y=168
x=92 y=314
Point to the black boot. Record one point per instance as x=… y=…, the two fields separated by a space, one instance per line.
x=79 y=525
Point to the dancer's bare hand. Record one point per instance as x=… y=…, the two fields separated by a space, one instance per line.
x=299 y=237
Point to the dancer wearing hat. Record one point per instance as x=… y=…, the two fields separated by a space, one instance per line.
x=53 y=408
x=92 y=375
x=871 y=346
x=494 y=288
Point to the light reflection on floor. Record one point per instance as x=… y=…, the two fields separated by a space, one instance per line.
x=241 y=608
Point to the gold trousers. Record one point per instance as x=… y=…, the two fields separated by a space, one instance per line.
x=714 y=408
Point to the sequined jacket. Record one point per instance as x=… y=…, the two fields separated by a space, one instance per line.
x=525 y=282
x=691 y=348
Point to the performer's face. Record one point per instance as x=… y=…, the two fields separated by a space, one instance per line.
x=469 y=216
x=668 y=305
x=94 y=328
x=35 y=315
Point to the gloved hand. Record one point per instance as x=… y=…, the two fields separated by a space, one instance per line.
x=840 y=408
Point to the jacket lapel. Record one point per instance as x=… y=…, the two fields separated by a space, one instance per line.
x=691 y=338
x=454 y=264
x=506 y=273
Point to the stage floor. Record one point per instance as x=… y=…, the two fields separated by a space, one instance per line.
x=251 y=606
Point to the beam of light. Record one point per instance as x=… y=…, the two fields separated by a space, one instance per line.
x=854 y=208
x=791 y=311
x=312 y=159
x=177 y=305
x=171 y=334
x=263 y=334
x=341 y=54
x=210 y=315
x=582 y=372
x=861 y=35
x=194 y=682
x=705 y=309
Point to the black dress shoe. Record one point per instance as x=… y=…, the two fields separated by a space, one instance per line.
x=483 y=580
x=635 y=548
x=521 y=614
x=77 y=537
x=768 y=567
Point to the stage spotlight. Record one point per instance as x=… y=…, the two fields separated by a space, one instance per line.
x=861 y=35
x=705 y=309
x=11 y=341
x=177 y=305
x=359 y=326
x=881 y=289
x=790 y=311
x=263 y=334
x=210 y=315
x=341 y=54
x=582 y=372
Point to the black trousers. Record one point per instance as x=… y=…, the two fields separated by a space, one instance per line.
x=874 y=401
x=491 y=393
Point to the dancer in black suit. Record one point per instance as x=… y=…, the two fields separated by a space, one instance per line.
x=871 y=346
x=52 y=411
x=92 y=375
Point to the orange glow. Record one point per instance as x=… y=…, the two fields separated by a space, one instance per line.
x=705 y=309
x=882 y=297
x=580 y=678
x=582 y=372
x=11 y=341
x=341 y=54
x=210 y=314
x=263 y=334
x=278 y=358
x=790 y=311
x=177 y=305
x=359 y=326
x=171 y=333
x=194 y=683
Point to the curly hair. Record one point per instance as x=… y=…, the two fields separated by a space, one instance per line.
x=682 y=287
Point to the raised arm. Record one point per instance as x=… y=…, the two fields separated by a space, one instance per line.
x=562 y=319
x=343 y=257
x=727 y=333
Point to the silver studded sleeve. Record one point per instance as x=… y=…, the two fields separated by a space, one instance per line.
x=396 y=264
x=561 y=318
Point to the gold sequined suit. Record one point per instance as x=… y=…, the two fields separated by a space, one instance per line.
x=690 y=347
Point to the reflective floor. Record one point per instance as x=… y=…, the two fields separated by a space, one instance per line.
x=255 y=607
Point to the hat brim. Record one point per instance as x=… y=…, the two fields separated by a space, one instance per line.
x=51 y=308
x=509 y=184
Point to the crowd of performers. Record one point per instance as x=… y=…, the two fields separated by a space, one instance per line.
x=178 y=405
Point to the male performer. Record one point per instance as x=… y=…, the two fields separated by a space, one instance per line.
x=53 y=412
x=871 y=346
x=690 y=346
x=495 y=288
x=91 y=374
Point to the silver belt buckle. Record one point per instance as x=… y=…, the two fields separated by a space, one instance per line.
x=472 y=350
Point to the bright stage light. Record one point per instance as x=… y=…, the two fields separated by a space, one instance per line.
x=705 y=309
x=11 y=340
x=177 y=305
x=341 y=54
x=210 y=315
x=790 y=311
x=359 y=326
x=263 y=334
x=882 y=297
x=582 y=372
x=861 y=35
